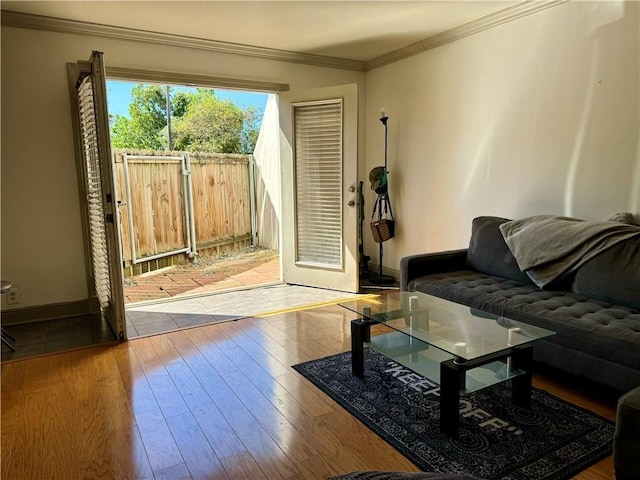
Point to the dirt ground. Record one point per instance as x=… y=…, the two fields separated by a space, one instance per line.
x=230 y=263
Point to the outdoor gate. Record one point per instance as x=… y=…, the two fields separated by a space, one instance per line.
x=158 y=209
x=172 y=204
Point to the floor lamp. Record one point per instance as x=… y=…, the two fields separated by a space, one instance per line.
x=383 y=199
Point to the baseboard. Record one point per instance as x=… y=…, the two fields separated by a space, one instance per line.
x=50 y=312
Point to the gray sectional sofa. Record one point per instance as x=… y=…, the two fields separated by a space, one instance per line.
x=591 y=301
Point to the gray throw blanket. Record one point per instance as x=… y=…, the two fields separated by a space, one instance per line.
x=547 y=247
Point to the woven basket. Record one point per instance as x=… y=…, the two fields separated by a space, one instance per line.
x=383 y=230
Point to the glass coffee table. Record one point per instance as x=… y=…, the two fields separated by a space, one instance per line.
x=460 y=348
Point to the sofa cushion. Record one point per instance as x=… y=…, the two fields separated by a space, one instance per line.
x=613 y=275
x=489 y=253
x=600 y=333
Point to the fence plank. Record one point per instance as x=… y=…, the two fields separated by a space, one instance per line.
x=221 y=203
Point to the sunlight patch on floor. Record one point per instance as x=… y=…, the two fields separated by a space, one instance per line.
x=264 y=301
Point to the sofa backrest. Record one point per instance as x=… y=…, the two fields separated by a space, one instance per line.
x=613 y=275
x=488 y=252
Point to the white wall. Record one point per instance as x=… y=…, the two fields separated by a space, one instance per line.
x=267 y=178
x=538 y=116
x=42 y=246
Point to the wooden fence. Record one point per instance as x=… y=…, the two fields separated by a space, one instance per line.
x=155 y=206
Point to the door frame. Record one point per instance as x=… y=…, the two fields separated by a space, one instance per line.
x=346 y=279
x=134 y=75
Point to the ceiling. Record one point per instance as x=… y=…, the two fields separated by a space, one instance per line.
x=356 y=30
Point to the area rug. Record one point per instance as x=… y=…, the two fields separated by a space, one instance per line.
x=550 y=440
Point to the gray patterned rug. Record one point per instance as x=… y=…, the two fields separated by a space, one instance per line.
x=551 y=440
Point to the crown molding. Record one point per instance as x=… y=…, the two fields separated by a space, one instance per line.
x=395 y=55
x=39 y=22
x=487 y=22
x=509 y=14
x=135 y=74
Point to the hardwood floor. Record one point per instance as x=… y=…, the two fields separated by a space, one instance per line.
x=52 y=336
x=218 y=401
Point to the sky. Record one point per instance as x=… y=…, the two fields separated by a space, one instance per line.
x=119 y=97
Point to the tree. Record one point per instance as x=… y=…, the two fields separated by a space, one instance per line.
x=148 y=117
x=250 y=129
x=200 y=121
x=179 y=102
x=210 y=124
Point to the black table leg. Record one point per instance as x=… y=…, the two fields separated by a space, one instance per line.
x=522 y=359
x=360 y=333
x=451 y=378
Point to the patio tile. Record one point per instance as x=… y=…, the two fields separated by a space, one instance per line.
x=132 y=331
x=221 y=305
x=176 y=282
x=193 y=291
x=147 y=317
x=271 y=267
x=154 y=328
x=250 y=277
x=225 y=284
x=191 y=319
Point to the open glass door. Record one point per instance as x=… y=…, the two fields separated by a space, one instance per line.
x=319 y=150
x=96 y=183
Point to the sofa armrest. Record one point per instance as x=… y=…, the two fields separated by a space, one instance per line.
x=416 y=266
x=626 y=444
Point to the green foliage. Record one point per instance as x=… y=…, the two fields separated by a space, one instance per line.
x=133 y=133
x=200 y=121
x=250 y=129
x=144 y=129
x=149 y=106
x=179 y=103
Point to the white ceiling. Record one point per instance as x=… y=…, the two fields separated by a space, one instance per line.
x=356 y=30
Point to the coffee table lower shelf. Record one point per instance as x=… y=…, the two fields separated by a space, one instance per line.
x=456 y=376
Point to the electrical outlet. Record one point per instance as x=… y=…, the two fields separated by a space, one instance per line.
x=12 y=297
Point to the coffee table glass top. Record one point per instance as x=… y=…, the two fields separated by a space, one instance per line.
x=454 y=328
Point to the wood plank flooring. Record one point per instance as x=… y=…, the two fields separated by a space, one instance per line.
x=216 y=402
